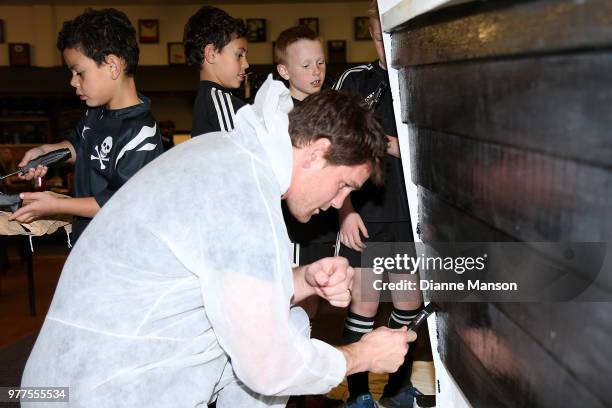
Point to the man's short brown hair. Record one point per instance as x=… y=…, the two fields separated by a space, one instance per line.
x=356 y=136
x=290 y=36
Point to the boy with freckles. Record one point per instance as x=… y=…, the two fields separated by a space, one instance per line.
x=301 y=62
x=216 y=44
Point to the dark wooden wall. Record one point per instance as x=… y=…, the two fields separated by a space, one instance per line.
x=509 y=106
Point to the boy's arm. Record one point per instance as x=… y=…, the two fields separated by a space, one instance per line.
x=72 y=142
x=351 y=225
x=42 y=205
x=39 y=151
x=80 y=206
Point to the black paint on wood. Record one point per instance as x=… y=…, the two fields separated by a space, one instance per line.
x=508 y=109
x=543 y=272
x=493 y=358
x=566 y=331
x=529 y=196
x=501 y=28
x=557 y=105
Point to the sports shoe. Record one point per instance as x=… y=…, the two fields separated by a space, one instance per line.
x=362 y=401
x=403 y=399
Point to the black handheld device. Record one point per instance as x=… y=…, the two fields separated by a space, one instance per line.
x=47 y=159
x=422 y=316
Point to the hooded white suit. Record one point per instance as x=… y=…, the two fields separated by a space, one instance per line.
x=182 y=283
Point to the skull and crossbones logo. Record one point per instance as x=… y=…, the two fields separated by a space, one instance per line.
x=105 y=148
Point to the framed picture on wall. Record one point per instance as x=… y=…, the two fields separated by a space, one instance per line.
x=19 y=54
x=1 y=31
x=310 y=22
x=362 y=29
x=336 y=51
x=256 y=29
x=176 y=53
x=148 y=31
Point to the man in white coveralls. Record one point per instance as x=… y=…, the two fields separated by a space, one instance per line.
x=180 y=290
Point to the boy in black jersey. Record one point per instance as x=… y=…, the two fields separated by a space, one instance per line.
x=301 y=62
x=216 y=43
x=377 y=215
x=118 y=134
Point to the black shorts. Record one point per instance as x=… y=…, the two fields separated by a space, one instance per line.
x=309 y=253
x=379 y=232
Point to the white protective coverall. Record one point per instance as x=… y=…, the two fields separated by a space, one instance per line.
x=182 y=283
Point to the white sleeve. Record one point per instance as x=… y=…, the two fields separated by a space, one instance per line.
x=247 y=287
x=268 y=354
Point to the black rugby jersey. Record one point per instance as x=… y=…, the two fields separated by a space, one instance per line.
x=111 y=146
x=388 y=203
x=214 y=109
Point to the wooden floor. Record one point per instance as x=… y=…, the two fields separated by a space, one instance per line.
x=15 y=319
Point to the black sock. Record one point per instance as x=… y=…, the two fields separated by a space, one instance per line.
x=355 y=327
x=401 y=378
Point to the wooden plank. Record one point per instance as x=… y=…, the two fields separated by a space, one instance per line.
x=558 y=105
x=541 y=270
x=406 y=10
x=501 y=28
x=527 y=195
x=577 y=334
x=497 y=363
x=439 y=221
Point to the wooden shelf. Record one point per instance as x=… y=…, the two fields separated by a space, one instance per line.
x=29 y=130
x=149 y=79
x=24 y=119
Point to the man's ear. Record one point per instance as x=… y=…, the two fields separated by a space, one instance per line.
x=210 y=53
x=316 y=151
x=282 y=71
x=116 y=65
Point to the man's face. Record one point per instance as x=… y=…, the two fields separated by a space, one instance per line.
x=93 y=84
x=317 y=185
x=377 y=38
x=231 y=63
x=304 y=68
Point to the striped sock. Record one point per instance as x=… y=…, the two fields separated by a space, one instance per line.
x=355 y=326
x=401 y=317
x=401 y=378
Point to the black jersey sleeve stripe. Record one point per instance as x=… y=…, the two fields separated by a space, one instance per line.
x=340 y=81
x=226 y=114
x=218 y=109
x=230 y=108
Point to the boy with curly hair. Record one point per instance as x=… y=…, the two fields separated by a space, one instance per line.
x=116 y=137
x=216 y=43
